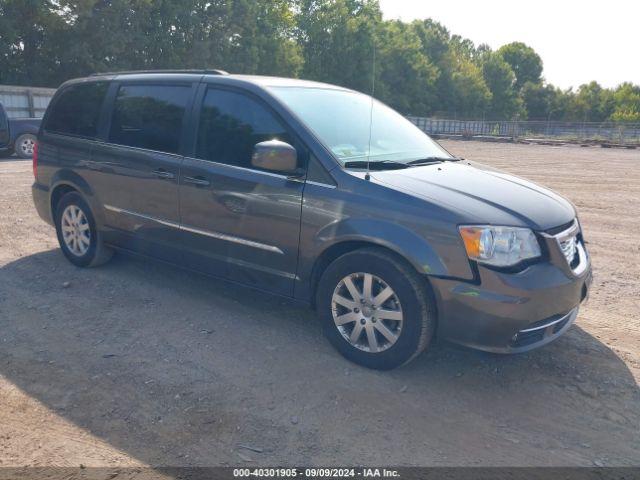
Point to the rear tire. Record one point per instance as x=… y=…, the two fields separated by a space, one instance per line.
x=79 y=239
x=24 y=144
x=375 y=309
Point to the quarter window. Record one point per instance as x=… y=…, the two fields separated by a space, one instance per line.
x=77 y=111
x=230 y=126
x=149 y=116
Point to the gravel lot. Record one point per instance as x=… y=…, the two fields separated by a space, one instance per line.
x=139 y=363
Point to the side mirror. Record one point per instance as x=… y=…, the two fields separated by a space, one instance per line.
x=275 y=156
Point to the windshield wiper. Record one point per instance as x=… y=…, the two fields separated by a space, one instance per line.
x=393 y=164
x=376 y=164
x=431 y=160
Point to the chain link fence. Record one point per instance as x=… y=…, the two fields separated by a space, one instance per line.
x=582 y=132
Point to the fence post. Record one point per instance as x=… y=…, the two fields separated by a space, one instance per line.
x=31 y=106
x=548 y=121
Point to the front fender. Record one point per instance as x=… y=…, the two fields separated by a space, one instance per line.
x=432 y=253
x=414 y=248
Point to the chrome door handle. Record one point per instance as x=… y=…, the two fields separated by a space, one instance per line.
x=161 y=173
x=197 y=181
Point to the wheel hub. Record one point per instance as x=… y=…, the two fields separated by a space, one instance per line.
x=367 y=312
x=27 y=146
x=76 y=233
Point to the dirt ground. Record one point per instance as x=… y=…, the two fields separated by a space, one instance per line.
x=139 y=363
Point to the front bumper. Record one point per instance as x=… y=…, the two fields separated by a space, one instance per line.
x=514 y=312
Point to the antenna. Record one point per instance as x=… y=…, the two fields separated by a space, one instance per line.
x=367 y=176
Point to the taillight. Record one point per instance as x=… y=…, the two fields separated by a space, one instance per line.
x=35 y=160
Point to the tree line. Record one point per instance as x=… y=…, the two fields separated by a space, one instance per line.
x=419 y=68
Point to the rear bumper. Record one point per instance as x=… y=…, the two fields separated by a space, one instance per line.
x=510 y=312
x=40 y=195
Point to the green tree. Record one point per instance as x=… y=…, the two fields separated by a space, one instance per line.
x=54 y=41
x=500 y=80
x=240 y=35
x=524 y=61
x=627 y=103
x=419 y=68
x=591 y=103
x=407 y=79
x=338 y=39
x=263 y=41
x=29 y=34
x=435 y=39
x=470 y=94
x=436 y=47
x=460 y=87
x=544 y=102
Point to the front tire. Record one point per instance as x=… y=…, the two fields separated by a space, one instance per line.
x=79 y=239
x=375 y=309
x=24 y=145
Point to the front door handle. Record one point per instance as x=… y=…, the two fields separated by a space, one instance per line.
x=162 y=173
x=201 y=181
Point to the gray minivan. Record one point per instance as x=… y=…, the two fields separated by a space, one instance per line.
x=316 y=193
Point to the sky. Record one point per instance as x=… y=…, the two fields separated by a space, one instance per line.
x=579 y=41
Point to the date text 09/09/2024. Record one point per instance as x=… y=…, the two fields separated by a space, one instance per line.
x=316 y=472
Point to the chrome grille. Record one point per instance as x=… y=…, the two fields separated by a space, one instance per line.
x=568 y=242
x=569 y=248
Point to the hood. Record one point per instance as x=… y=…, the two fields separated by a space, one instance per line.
x=481 y=195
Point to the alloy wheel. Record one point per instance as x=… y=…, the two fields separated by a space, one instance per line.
x=76 y=232
x=367 y=312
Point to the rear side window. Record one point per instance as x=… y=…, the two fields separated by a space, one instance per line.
x=231 y=124
x=149 y=116
x=77 y=111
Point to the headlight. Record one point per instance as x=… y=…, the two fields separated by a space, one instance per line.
x=499 y=246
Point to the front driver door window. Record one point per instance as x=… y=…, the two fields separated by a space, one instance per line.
x=238 y=221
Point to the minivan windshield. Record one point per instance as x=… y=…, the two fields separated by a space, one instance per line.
x=341 y=119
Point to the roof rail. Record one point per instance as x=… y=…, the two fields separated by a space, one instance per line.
x=196 y=71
